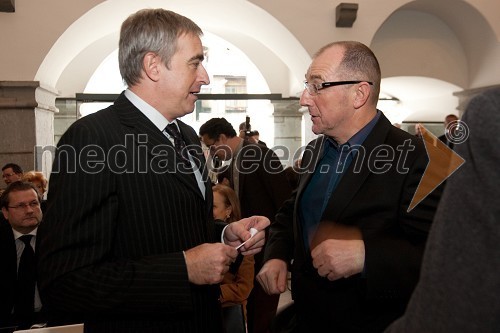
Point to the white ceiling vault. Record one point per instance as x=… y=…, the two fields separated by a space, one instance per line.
x=426 y=51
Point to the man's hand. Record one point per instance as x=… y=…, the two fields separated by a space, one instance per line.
x=339 y=258
x=238 y=232
x=272 y=276
x=207 y=263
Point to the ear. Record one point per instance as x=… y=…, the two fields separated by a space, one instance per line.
x=5 y=213
x=151 y=63
x=223 y=138
x=362 y=94
x=229 y=210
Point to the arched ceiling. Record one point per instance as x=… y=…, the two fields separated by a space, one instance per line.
x=407 y=40
x=82 y=42
x=473 y=31
x=427 y=53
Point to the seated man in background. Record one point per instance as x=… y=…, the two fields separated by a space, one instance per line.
x=20 y=303
x=11 y=172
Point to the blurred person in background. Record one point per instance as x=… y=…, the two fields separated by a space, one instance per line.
x=238 y=281
x=11 y=172
x=20 y=303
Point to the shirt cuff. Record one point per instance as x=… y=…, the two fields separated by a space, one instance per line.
x=222 y=234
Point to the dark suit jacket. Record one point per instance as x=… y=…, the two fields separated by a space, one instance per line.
x=8 y=282
x=460 y=281
x=119 y=215
x=444 y=139
x=8 y=277
x=263 y=184
x=374 y=197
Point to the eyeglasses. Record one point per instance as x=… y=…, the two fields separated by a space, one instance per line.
x=34 y=204
x=314 y=88
x=211 y=145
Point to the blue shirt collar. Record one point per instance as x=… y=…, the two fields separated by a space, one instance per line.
x=359 y=137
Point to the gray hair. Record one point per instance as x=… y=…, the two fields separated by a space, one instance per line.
x=150 y=30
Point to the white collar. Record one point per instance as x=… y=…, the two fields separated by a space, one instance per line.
x=17 y=234
x=150 y=112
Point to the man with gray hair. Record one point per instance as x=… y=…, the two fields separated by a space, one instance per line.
x=128 y=243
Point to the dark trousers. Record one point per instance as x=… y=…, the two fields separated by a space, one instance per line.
x=261 y=309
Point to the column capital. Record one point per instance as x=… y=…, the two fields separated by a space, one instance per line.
x=286 y=107
x=27 y=121
x=287 y=128
x=27 y=94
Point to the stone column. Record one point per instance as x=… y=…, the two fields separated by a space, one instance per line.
x=26 y=124
x=287 y=129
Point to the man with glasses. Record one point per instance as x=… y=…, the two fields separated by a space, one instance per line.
x=20 y=303
x=354 y=249
x=11 y=172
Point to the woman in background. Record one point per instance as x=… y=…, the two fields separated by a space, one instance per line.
x=238 y=281
x=37 y=179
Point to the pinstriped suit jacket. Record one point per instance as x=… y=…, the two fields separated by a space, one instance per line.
x=119 y=216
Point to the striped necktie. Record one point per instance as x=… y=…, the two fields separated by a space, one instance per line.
x=179 y=144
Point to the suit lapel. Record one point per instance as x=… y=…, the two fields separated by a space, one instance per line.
x=239 y=167
x=310 y=158
x=193 y=142
x=146 y=133
x=352 y=180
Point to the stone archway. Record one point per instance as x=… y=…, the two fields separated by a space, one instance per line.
x=83 y=44
x=427 y=41
x=270 y=46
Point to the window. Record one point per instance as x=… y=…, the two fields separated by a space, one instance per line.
x=236 y=85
